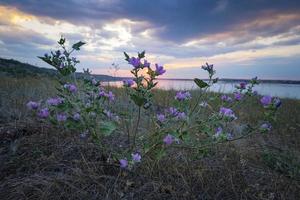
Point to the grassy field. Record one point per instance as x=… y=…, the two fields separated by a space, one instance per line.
x=39 y=161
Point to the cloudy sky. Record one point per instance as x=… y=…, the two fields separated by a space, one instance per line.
x=241 y=38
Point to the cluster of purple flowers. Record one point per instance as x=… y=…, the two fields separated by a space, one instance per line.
x=55 y=101
x=266 y=101
x=227 y=112
x=61 y=117
x=243 y=85
x=109 y=95
x=182 y=96
x=135 y=62
x=32 y=105
x=238 y=96
x=128 y=82
x=173 y=112
x=43 y=113
x=161 y=118
x=168 y=139
x=136 y=157
x=159 y=70
x=226 y=98
x=70 y=87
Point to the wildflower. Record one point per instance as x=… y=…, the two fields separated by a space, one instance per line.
x=76 y=116
x=43 y=113
x=146 y=63
x=159 y=70
x=243 y=85
x=136 y=157
x=181 y=116
x=209 y=69
x=219 y=131
x=227 y=112
x=128 y=82
x=161 y=118
x=173 y=111
x=32 y=105
x=181 y=96
x=54 y=101
x=238 y=96
x=123 y=163
x=102 y=93
x=226 y=98
x=61 y=117
x=277 y=102
x=135 y=62
x=110 y=96
x=94 y=81
x=168 y=139
x=266 y=127
x=266 y=100
x=71 y=87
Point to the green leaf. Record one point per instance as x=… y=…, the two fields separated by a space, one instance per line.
x=77 y=45
x=61 y=41
x=139 y=101
x=200 y=83
x=126 y=56
x=142 y=55
x=107 y=128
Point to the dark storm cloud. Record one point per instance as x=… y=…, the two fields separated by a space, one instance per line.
x=176 y=20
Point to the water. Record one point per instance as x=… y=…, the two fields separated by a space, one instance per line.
x=273 y=89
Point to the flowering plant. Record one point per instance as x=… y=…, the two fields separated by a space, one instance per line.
x=80 y=104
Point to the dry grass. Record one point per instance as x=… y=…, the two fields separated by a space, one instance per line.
x=41 y=162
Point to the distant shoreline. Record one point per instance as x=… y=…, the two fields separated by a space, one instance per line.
x=239 y=80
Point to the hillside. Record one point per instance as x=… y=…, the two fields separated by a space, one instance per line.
x=14 y=68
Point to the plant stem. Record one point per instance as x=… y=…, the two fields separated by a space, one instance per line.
x=137 y=126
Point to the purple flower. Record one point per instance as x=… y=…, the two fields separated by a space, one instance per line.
x=168 y=139
x=173 y=111
x=219 y=131
x=266 y=100
x=110 y=96
x=123 y=163
x=181 y=116
x=62 y=65
x=238 y=96
x=181 y=96
x=76 y=116
x=161 y=118
x=227 y=112
x=94 y=81
x=146 y=63
x=159 y=70
x=128 y=82
x=32 y=105
x=71 y=87
x=243 y=85
x=226 y=98
x=136 y=157
x=102 y=93
x=54 y=101
x=61 y=117
x=266 y=127
x=277 y=102
x=134 y=62
x=43 y=113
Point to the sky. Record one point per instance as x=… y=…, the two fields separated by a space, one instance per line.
x=242 y=38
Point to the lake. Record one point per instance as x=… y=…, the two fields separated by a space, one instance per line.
x=273 y=89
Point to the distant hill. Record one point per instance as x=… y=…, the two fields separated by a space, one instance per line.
x=14 y=68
